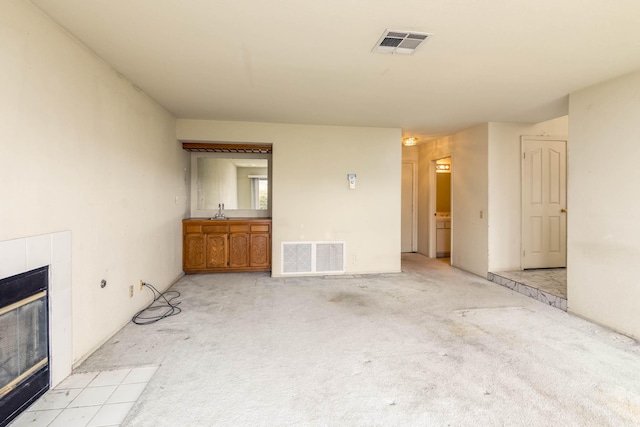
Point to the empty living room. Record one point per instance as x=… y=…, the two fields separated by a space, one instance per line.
x=319 y=213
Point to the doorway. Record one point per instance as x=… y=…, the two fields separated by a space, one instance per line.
x=544 y=202
x=441 y=189
x=408 y=240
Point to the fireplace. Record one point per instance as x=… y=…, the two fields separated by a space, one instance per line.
x=24 y=341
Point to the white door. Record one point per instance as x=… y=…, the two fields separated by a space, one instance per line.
x=406 y=223
x=544 y=202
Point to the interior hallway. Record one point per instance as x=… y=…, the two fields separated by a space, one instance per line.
x=430 y=346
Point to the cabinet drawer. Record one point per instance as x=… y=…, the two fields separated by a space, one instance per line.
x=260 y=228
x=192 y=229
x=214 y=229
x=239 y=228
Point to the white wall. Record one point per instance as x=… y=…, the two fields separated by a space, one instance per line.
x=85 y=151
x=311 y=196
x=469 y=243
x=409 y=241
x=469 y=155
x=604 y=206
x=504 y=187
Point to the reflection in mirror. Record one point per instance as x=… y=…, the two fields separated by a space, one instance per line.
x=239 y=183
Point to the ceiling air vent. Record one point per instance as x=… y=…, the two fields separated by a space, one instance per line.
x=401 y=42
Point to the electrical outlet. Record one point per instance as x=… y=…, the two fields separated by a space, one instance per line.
x=131 y=291
x=140 y=284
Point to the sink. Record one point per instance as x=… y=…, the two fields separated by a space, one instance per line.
x=218 y=217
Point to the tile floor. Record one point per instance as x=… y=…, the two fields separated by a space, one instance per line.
x=89 y=399
x=548 y=285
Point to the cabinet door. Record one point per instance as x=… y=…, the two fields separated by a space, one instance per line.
x=216 y=250
x=238 y=250
x=193 y=257
x=259 y=252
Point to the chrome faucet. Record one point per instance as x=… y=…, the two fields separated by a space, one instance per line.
x=220 y=213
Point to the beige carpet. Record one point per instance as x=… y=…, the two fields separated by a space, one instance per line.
x=432 y=346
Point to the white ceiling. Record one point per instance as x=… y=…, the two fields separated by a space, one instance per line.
x=297 y=61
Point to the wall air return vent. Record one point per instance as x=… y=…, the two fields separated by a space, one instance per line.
x=312 y=257
x=400 y=42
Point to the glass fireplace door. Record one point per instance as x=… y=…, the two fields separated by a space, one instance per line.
x=23 y=342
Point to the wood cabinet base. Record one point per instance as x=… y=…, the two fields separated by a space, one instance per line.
x=223 y=246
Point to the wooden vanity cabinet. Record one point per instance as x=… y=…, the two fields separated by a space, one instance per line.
x=193 y=245
x=211 y=246
x=260 y=246
x=239 y=245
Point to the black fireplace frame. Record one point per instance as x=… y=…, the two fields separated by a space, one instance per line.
x=15 y=289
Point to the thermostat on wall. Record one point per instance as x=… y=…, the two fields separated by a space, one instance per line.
x=352 y=181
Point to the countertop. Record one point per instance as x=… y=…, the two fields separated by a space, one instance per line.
x=235 y=218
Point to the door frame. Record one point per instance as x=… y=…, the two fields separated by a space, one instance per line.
x=524 y=138
x=414 y=201
x=432 y=205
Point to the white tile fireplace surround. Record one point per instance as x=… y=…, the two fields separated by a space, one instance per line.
x=21 y=255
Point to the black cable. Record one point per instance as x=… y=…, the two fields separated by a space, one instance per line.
x=171 y=309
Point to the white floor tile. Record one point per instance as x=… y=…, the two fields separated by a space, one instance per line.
x=140 y=375
x=54 y=399
x=77 y=380
x=75 y=417
x=127 y=393
x=36 y=419
x=110 y=378
x=93 y=396
x=79 y=397
x=110 y=415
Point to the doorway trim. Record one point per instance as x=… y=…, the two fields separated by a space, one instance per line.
x=432 y=205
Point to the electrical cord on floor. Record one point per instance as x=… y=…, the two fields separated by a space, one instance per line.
x=143 y=317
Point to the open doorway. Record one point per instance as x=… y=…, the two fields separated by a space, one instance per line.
x=441 y=185
x=408 y=212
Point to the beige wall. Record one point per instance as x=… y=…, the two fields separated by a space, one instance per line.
x=604 y=237
x=410 y=154
x=504 y=187
x=83 y=150
x=410 y=218
x=470 y=196
x=311 y=196
x=469 y=157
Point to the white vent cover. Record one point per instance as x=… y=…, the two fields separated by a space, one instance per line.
x=401 y=42
x=312 y=257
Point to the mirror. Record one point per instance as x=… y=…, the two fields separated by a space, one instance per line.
x=240 y=181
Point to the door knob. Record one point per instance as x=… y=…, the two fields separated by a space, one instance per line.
x=563 y=210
